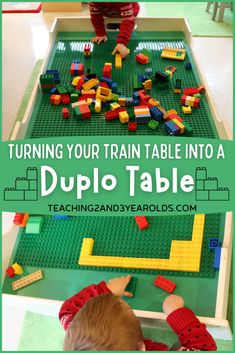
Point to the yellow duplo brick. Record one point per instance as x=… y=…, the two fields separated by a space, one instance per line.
x=123 y=117
x=27 y=280
x=18 y=269
x=187 y=110
x=154 y=102
x=91 y=91
x=171 y=53
x=97 y=105
x=89 y=101
x=147 y=85
x=75 y=80
x=177 y=90
x=118 y=61
x=114 y=106
x=122 y=101
x=90 y=84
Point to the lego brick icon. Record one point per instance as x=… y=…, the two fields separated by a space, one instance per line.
x=25 y=189
x=201 y=173
x=202 y=195
x=222 y=194
x=207 y=188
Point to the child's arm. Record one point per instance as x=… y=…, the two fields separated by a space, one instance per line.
x=192 y=333
x=97 y=21
x=72 y=305
x=126 y=28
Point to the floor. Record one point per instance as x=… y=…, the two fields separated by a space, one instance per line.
x=18 y=62
x=33 y=31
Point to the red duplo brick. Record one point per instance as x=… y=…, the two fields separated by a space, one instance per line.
x=141 y=222
x=65 y=99
x=79 y=84
x=18 y=219
x=165 y=284
x=191 y=91
x=107 y=71
x=114 y=114
x=80 y=69
x=86 y=113
x=10 y=272
x=52 y=98
x=142 y=59
x=72 y=69
x=65 y=113
x=104 y=84
x=132 y=126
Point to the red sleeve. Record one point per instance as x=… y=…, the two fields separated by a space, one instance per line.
x=72 y=305
x=128 y=23
x=97 y=18
x=191 y=332
x=155 y=346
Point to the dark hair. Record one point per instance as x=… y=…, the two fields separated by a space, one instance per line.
x=104 y=323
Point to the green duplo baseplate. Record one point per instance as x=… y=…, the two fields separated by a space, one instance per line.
x=59 y=243
x=46 y=120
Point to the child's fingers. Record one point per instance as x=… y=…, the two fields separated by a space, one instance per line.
x=114 y=51
x=127 y=294
x=128 y=278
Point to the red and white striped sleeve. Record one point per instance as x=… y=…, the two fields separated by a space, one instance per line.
x=128 y=23
x=97 y=18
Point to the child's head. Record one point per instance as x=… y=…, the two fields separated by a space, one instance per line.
x=105 y=323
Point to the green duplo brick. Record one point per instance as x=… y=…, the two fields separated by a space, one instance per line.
x=200 y=185
x=74 y=97
x=61 y=89
x=115 y=97
x=189 y=129
x=211 y=184
x=219 y=195
x=69 y=88
x=34 y=225
x=13 y=195
x=131 y=287
x=77 y=113
x=153 y=124
x=32 y=173
x=201 y=173
x=31 y=195
x=33 y=185
x=202 y=195
x=22 y=184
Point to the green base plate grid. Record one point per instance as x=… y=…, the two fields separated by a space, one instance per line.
x=59 y=243
x=47 y=120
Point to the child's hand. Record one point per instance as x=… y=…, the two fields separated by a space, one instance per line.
x=120 y=48
x=118 y=285
x=99 y=40
x=171 y=303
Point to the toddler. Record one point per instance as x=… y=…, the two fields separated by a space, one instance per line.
x=98 y=319
x=126 y=10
